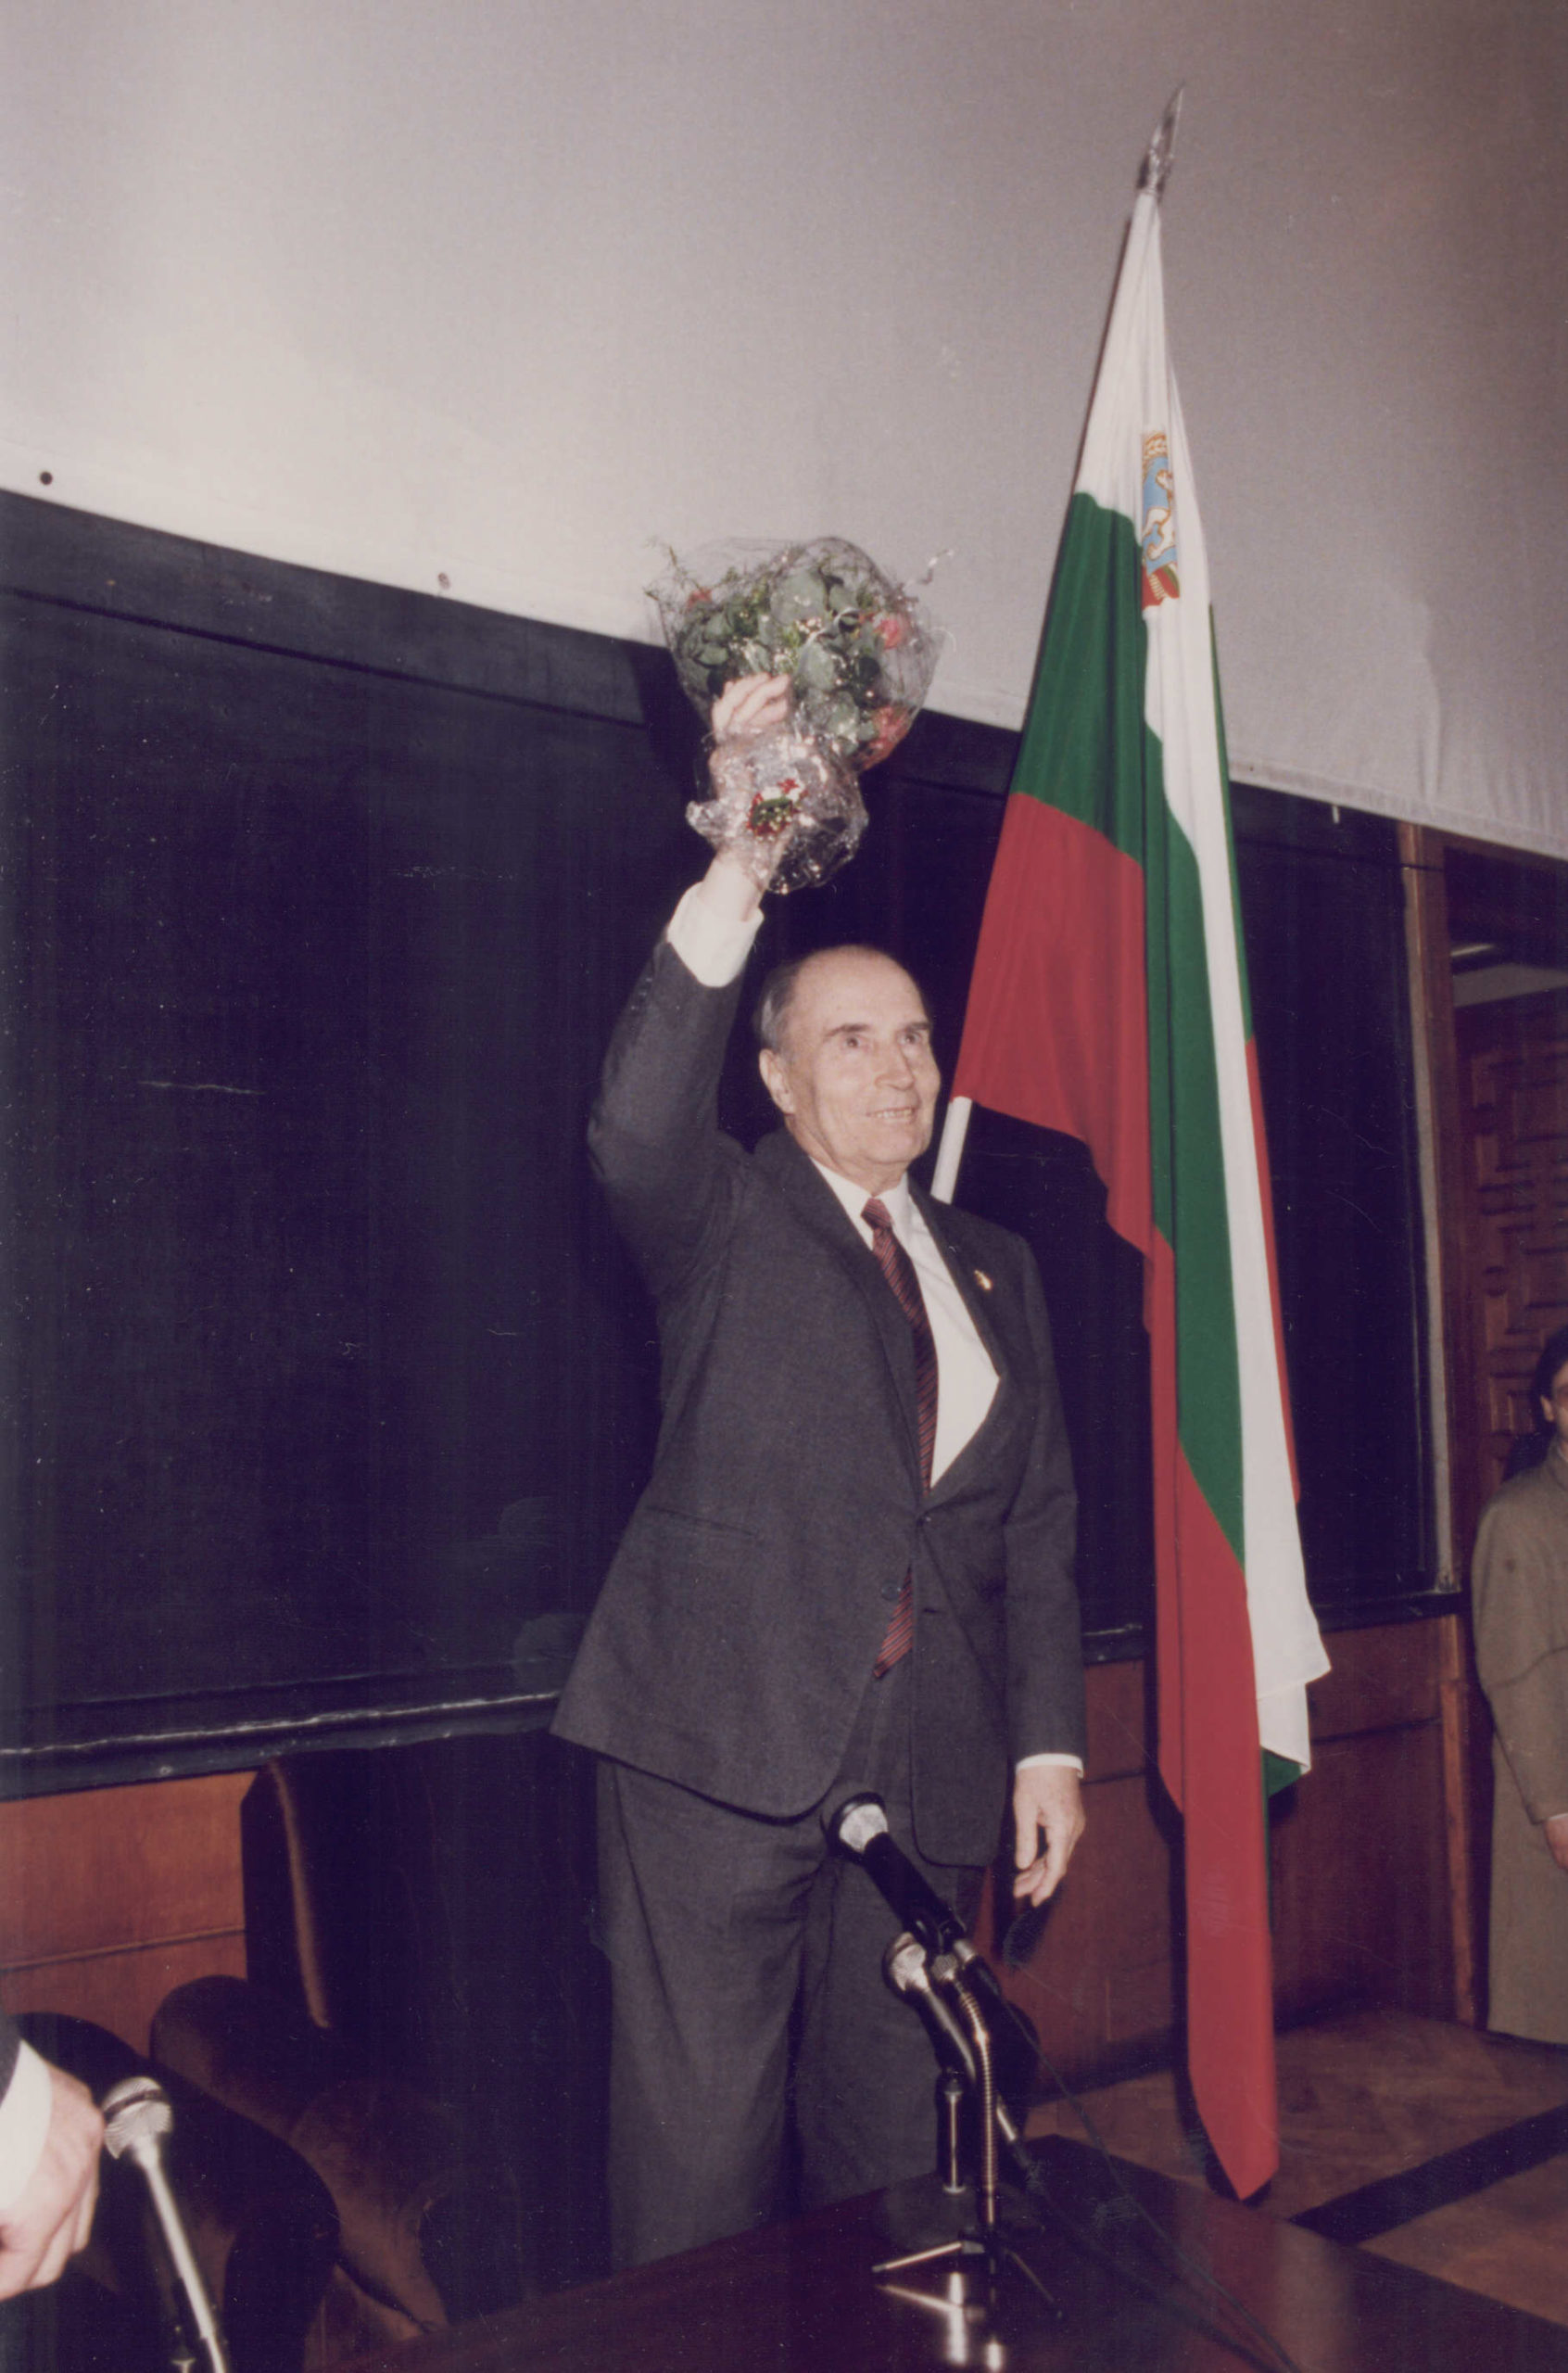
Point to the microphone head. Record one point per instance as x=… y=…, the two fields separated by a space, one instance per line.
x=136 y=2116
x=858 y=1821
x=903 y=1965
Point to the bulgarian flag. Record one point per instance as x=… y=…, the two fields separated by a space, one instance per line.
x=1109 y=1001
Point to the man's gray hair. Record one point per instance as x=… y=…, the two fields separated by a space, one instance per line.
x=772 y=1014
x=770 y=1017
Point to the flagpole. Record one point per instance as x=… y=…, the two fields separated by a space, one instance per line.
x=1160 y=155
x=950 y=1153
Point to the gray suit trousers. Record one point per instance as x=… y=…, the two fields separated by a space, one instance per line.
x=746 y=1980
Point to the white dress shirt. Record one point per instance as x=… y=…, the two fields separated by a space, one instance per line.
x=24 y=2126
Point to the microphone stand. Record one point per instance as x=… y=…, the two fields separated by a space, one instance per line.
x=936 y=1963
x=137 y=2118
x=944 y=1993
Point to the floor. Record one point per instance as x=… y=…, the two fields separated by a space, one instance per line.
x=1435 y=2145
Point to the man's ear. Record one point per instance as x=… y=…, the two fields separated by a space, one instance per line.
x=775 y=1078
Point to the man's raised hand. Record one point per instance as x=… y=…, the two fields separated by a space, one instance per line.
x=749 y=705
x=42 y=2230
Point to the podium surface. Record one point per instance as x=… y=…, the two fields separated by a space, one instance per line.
x=800 y=2297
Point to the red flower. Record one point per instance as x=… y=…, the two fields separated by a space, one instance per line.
x=891 y=724
x=894 y=631
x=772 y=812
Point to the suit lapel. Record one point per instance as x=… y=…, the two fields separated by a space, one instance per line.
x=979 y=1303
x=819 y=1209
x=978 y=1300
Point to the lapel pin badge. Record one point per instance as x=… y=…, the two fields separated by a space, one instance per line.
x=982 y=1281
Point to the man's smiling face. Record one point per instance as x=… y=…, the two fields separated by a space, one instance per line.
x=854 y=1077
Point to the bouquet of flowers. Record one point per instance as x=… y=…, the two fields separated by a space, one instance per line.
x=860 y=653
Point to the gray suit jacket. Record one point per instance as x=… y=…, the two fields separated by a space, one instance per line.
x=735 y=1632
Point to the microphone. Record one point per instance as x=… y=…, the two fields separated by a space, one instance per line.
x=860 y=1826
x=137 y=2118
x=906 y=1969
x=903 y=1966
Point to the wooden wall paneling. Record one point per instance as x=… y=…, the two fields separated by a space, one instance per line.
x=122 y=1991
x=1361 y=1895
x=110 y=1897
x=1121 y=1720
x=1358 y=1854
x=1465 y=1731
x=1381 y=1678
x=1358 y=1851
x=1094 y=1972
x=1363 y=1852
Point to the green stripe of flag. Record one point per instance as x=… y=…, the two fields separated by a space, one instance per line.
x=1097 y=760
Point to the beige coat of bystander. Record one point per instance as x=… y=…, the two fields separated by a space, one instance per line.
x=1519 y=1580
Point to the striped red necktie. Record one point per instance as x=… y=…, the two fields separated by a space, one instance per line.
x=899 y=1271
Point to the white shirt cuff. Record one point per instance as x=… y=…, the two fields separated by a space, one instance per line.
x=1068 y=1762
x=24 y=2126
x=713 y=948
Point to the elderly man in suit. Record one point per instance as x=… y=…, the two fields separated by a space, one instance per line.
x=852 y=1569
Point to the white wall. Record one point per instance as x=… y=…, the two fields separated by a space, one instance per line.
x=493 y=293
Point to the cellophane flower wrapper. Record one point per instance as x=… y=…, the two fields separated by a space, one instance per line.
x=860 y=653
x=786 y=807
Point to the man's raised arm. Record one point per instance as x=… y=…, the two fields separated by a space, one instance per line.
x=653 y=1134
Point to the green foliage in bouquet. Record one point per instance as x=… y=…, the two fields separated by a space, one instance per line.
x=859 y=648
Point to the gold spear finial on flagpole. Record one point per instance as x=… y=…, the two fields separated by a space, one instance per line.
x=1161 y=150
